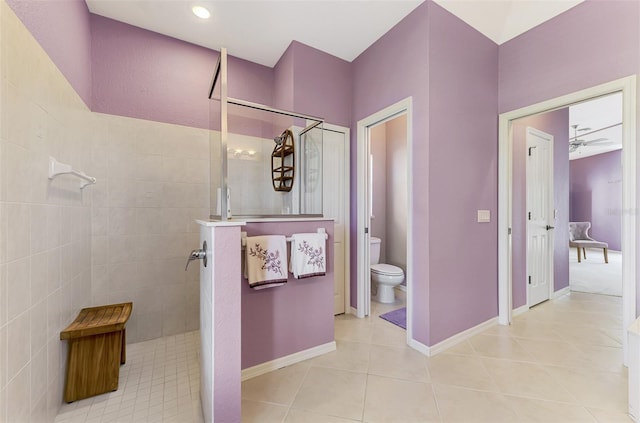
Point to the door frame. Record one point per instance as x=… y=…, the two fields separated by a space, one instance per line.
x=347 y=209
x=551 y=237
x=627 y=86
x=402 y=107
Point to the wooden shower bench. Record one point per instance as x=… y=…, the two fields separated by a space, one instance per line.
x=96 y=350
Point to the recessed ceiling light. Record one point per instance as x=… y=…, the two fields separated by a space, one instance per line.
x=201 y=12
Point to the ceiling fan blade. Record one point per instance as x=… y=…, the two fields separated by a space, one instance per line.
x=602 y=141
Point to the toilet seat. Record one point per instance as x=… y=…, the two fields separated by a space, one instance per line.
x=386 y=269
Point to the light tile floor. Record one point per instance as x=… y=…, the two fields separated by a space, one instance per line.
x=559 y=362
x=159 y=383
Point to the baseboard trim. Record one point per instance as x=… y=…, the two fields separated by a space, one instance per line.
x=518 y=311
x=287 y=360
x=559 y=293
x=420 y=347
x=354 y=311
x=402 y=288
x=462 y=336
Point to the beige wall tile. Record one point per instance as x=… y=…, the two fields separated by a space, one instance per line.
x=3 y=357
x=38 y=376
x=18 y=396
x=53 y=270
x=19 y=343
x=38 y=327
x=39 y=269
x=18 y=231
x=18 y=288
x=19 y=168
x=3 y=231
x=53 y=315
x=4 y=294
x=45 y=225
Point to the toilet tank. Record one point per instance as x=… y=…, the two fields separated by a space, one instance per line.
x=374 y=251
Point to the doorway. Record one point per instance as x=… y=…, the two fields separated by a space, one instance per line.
x=365 y=205
x=505 y=172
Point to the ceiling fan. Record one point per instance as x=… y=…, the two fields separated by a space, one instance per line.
x=575 y=142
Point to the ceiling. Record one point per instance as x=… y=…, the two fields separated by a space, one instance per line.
x=261 y=30
x=597 y=114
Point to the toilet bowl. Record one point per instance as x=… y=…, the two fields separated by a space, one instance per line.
x=385 y=276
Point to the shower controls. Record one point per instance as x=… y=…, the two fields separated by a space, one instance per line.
x=200 y=254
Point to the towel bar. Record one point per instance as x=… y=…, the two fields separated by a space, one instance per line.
x=243 y=236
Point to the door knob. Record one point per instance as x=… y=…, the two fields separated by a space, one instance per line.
x=200 y=254
x=550 y=227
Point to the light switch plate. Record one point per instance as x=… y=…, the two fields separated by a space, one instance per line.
x=484 y=216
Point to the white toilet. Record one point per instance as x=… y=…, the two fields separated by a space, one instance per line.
x=385 y=276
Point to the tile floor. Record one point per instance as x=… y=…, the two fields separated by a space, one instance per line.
x=159 y=383
x=559 y=362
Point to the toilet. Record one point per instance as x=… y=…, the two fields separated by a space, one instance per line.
x=385 y=276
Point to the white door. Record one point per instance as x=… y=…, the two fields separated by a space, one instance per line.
x=540 y=219
x=335 y=203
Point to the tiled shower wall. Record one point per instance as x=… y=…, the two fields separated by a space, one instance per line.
x=125 y=238
x=154 y=183
x=45 y=226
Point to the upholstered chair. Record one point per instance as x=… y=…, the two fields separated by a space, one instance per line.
x=580 y=239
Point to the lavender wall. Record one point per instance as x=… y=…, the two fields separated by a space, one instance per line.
x=283 y=73
x=227 y=329
x=596 y=195
x=536 y=66
x=463 y=104
x=557 y=57
x=384 y=74
x=287 y=319
x=62 y=28
x=142 y=74
x=322 y=85
x=555 y=123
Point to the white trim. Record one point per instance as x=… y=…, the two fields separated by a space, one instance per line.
x=353 y=311
x=455 y=339
x=403 y=107
x=520 y=310
x=557 y=294
x=287 y=360
x=347 y=210
x=420 y=347
x=561 y=292
x=462 y=336
x=629 y=193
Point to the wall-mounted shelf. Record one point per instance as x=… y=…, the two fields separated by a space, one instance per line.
x=283 y=162
x=56 y=168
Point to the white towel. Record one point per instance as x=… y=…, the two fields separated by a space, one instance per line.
x=308 y=256
x=266 y=261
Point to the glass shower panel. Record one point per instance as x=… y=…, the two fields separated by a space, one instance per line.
x=311 y=171
x=215 y=150
x=266 y=162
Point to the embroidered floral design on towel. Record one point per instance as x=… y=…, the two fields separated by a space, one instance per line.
x=316 y=259
x=271 y=260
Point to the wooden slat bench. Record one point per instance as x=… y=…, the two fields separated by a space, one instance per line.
x=96 y=350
